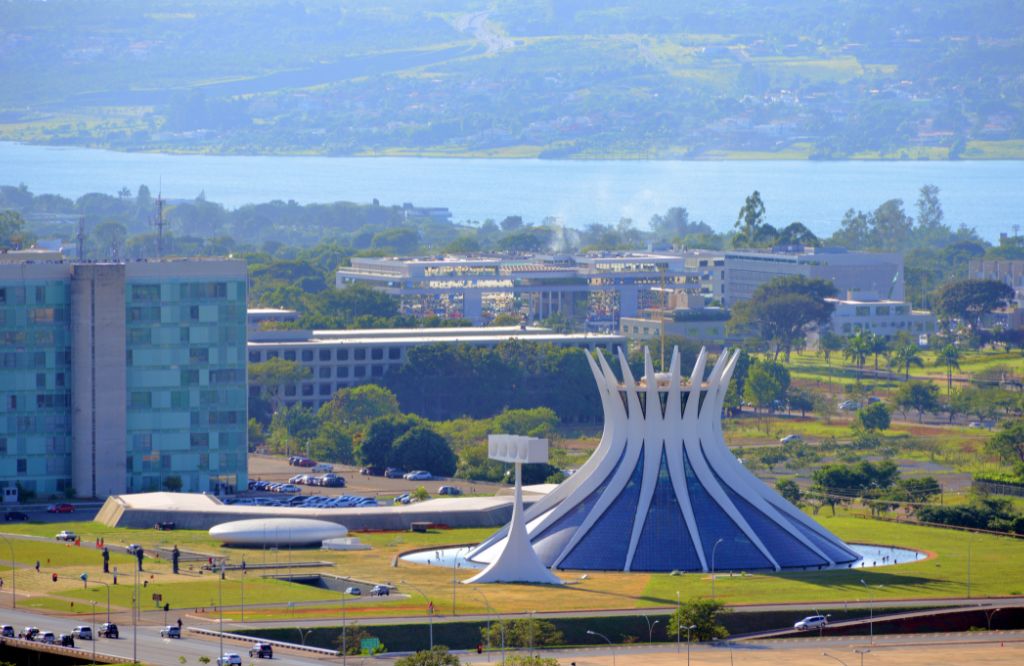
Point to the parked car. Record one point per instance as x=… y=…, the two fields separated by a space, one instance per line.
x=380 y=591
x=12 y=516
x=66 y=640
x=66 y=535
x=849 y=405
x=354 y=591
x=372 y=470
x=165 y=525
x=303 y=462
x=29 y=633
x=811 y=622
x=62 y=507
x=404 y=498
x=230 y=659
x=108 y=630
x=331 y=481
x=82 y=633
x=262 y=651
x=873 y=399
x=448 y=490
x=170 y=631
x=393 y=473
x=288 y=488
x=7 y=631
x=47 y=637
x=418 y=475
x=323 y=467
x=790 y=439
x=132 y=548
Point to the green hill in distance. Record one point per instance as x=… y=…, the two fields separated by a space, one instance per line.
x=594 y=79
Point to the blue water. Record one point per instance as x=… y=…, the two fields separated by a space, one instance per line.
x=986 y=195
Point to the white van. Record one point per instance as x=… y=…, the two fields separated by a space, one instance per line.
x=323 y=467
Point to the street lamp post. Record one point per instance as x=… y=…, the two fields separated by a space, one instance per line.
x=862 y=652
x=531 y=634
x=679 y=619
x=611 y=649
x=500 y=626
x=135 y=615
x=430 y=610
x=968 y=567
x=988 y=616
x=713 y=549
x=344 y=635
x=14 y=580
x=220 y=606
x=832 y=656
x=871 y=610
x=650 y=628
x=94 y=636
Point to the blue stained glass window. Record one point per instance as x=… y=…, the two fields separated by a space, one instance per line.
x=784 y=547
x=665 y=543
x=605 y=546
x=833 y=551
x=736 y=552
x=573 y=518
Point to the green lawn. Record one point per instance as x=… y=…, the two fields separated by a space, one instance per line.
x=995 y=570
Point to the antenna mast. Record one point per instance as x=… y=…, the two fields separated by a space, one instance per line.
x=159 y=223
x=80 y=238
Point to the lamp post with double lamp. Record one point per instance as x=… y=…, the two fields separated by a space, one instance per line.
x=107 y=585
x=344 y=635
x=94 y=636
x=688 y=630
x=862 y=652
x=988 y=617
x=679 y=617
x=14 y=580
x=713 y=549
x=430 y=609
x=220 y=607
x=650 y=628
x=610 y=648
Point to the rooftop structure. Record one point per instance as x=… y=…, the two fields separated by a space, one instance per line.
x=345 y=358
x=662 y=492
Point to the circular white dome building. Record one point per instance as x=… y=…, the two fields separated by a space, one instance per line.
x=259 y=532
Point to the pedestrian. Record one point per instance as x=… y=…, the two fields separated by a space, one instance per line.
x=179 y=624
x=37 y=566
x=1 y=583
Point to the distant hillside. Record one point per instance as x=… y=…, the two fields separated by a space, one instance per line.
x=819 y=79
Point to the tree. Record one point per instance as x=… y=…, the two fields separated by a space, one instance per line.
x=920 y=396
x=1008 y=444
x=801 y=401
x=12 y=229
x=332 y=442
x=173 y=483
x=357 y=406
x=949 y=356
x=749 y=220
x=857 y=348
x=704 y=615
x=437 y=656
x=272 y=375
x=378 y=440
x=789 y=490
x=904 y=356
x=970 y=300
x=522 y=633
x=422 y=448
x=874 y=417
x=763 y=387
x=784 y=309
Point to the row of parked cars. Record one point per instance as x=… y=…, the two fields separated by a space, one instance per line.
x=396 y=473
x=328 y=480
x=84 y=633
x=308 y=501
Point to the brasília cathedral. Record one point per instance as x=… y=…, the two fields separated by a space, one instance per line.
x=662 y=492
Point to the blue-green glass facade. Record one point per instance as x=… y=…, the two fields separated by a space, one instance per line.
x=186 y=382
x=35 y=380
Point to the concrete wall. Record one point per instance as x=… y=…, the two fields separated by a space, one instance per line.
x=98 y=415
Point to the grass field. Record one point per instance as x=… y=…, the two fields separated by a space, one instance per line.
x=995 y=571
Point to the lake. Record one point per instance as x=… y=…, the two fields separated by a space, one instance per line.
x=987 y=195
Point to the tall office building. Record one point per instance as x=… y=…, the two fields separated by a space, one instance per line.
x=119 y=376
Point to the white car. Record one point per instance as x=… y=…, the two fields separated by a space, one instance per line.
x=812 y=622
x=230 y=659
x=418 y=475
x=82 y=633
x=323 y=467
x=66 y=535
x=791 y=439
x=849 y=405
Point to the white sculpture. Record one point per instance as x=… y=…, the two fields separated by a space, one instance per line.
x=516 y=562
x=662 y=492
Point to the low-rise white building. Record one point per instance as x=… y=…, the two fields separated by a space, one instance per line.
x=887 y=318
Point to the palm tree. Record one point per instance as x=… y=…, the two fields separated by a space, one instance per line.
x=949 y=356
x=857 y=349
x=829 y=342
x=904 y=356
x=879 y=345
